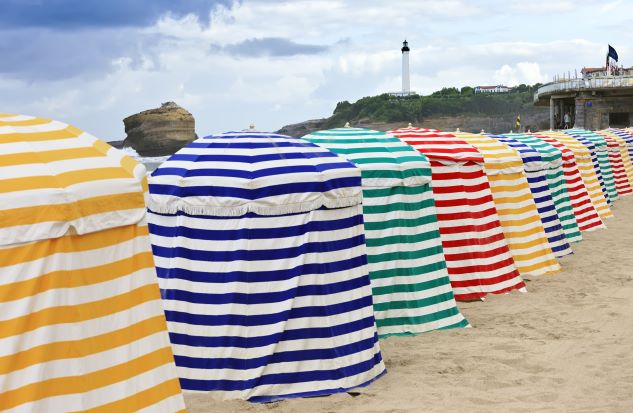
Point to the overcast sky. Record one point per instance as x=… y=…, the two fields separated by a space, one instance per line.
x=92 y=63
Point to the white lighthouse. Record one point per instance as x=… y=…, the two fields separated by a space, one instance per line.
x=406 y=85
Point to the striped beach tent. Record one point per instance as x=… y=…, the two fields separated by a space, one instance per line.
x=515 y=205
x=81 y=322
x=260 y=252
x=620 y=162
x=584 y=210
x=600 y=158
x=586 y=168
x=626 y=140
x=477 y=254
x=536 y=170
x=411 y=289
x=552 y=159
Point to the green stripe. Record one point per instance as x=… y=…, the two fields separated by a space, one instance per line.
x=408 y=271
x=382 y=149
x=396 y=190
x=392 y=223
x=423 y=319
x=403 y=239
x=389 y=159
x=405 y=255
x=402 y=206
x=410 y=288
x=423 y=302
x=386 y=173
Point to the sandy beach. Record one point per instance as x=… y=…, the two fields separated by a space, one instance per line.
x=565 y=346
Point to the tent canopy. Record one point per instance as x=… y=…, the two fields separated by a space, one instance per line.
x=266 y=174
x=56 y=179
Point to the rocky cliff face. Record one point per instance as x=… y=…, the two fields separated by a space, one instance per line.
x=466 y=123
x=161 y=131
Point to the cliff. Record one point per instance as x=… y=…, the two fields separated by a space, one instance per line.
x=161 y=131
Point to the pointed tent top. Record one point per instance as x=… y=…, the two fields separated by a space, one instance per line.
x=482 y=131
x=405 y=46
x=410 y=125
x=347 y=125
x=457 y=130
x=251 y=126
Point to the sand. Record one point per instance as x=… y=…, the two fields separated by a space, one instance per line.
x=565 y=346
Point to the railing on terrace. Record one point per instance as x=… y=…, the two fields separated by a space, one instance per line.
x=582 y=84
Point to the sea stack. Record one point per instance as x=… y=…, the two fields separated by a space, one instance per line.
x=161 y=131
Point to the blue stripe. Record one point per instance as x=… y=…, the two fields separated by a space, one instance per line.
x=215 y=257
x=279 y=357
x=261 y=341
x=263 y=319
x=250 y=145
x=250 y=159
x=255 y=193
x=236 y=173
x=267 y=297
x=255 y=233
x=263 y=276
x=282 y=378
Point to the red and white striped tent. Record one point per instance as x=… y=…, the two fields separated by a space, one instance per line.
x=477 y=254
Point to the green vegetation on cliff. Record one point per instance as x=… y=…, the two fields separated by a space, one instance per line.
x=446 y=102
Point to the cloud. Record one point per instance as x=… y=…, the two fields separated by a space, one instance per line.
x=272 y=46
x=524 y=72
x=542 y=6
x=73 y=14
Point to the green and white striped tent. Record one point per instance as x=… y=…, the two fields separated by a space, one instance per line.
x=410 y=285
x=553 y=159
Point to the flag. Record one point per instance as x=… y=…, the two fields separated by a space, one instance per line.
x=612 y=53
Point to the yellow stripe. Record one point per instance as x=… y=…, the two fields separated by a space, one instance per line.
x=529 y=244
x=532 y=220
x=87 y=382
x=141 y=399
x=71 y=243
x=81 y=348
x=505 y=209
x=76 y=278
x=66 y=133
x=79 y=312
x=25 y=122
x=7 y=115
x=62 y=180
x=540 y=266
x=26 y=158
x=68 y=212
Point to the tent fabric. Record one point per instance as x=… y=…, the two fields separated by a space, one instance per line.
x=620 y=162
x=536 y=172
x=477 y=255
x=264 y=306
x=515 y=205
x=81 y=322
x=625 y=140
x=600 y=158
x=585 y=211
x=410 y=285
x=582 y=155
x=553 y=160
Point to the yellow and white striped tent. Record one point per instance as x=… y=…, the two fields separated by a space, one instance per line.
x=81 y=322
x=521 y=222
x=586 y=168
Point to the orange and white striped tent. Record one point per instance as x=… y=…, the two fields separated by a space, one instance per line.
x=519 y=217
x=81 y=322
x=586 y=168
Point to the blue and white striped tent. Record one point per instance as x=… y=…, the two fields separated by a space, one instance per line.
x=260 y=252
x=536 y=171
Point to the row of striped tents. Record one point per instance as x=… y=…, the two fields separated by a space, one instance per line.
x=620 y=162
x=585 y=212
x=476 y=251
x=625 y=142
x=536 y=170
x=515 y=205
x=600 y=158
x=81 y=322
x=582 y=155
x=626 y=135
x=260 y=252
x=552 y=159
x=410 y=285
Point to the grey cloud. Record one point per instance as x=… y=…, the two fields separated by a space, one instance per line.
x=271 y=46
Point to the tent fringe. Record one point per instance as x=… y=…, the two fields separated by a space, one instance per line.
x=266 y=210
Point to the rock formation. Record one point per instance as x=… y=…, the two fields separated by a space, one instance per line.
x=161 y=131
